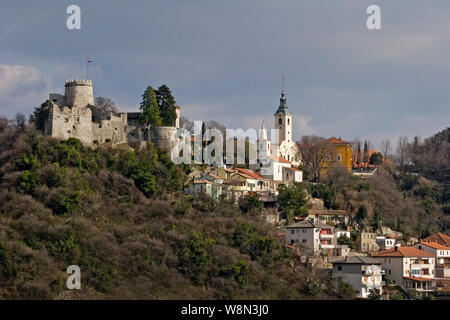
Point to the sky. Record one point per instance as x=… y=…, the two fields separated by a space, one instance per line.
x=224 y=60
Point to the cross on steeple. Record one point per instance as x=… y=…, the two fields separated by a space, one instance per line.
x=282 y=82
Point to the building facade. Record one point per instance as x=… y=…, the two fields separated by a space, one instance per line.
x=364 y=274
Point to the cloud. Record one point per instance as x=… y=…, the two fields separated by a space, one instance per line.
x=21 y=89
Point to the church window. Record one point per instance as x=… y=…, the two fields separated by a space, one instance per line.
x=289 y=122
x=280 y=121
x=339 y=157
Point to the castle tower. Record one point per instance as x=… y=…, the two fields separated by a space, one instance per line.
x=283 y=121
x=79 y=93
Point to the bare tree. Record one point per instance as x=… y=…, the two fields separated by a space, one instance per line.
x=385 y=148
x=315 y=151
x=105 y=105
x=402 y=152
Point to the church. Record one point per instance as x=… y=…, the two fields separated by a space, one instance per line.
x=279 y=160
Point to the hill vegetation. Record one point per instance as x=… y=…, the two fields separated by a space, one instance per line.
x=120 y=215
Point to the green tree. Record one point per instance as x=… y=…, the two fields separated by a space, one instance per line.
x=167 y=105
x=40 y=114
x=361 y=214
x=150 y=109
x=376 y=159
x=251 y=203
x=344 y=240
x=292 y=201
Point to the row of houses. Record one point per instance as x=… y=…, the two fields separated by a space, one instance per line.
x=239 y=181
x=419 y=269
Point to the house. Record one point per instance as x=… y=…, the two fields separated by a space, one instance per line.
x=212 y=177
x=315 y=236
x=368 y=242
x=409 y=267
x=213 y=189
x=332 y=216
x=223 y=173
x=341 y=155
x=385 y=242
x=262 y=183
x=364 y=274
x=441 y=254
x=438 y=238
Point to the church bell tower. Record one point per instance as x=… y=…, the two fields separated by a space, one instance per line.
x=283 y=120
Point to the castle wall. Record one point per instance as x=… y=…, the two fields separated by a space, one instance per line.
x=113 y=130
x=65 y=123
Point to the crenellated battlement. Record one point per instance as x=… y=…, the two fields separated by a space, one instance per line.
x=78 y=82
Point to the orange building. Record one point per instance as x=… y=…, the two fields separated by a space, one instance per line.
x=340 y=153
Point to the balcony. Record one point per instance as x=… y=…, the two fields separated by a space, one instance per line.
x=326 y=235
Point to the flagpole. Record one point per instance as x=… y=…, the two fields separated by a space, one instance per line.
x=87 y=68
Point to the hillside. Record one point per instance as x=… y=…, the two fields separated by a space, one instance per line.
x=120 y=216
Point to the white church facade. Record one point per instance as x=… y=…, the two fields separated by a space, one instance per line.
x=278 y=161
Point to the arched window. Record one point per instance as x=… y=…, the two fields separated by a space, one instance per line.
x=280 y=121
x=289 y=122
x=339 y=157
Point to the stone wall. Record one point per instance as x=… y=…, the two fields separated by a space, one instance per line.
x=164 y=137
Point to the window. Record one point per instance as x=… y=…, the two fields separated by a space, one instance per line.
x=339 y=157
x=280 y=121
x=304 y=241
x=289 y=121
x=339 y=268
x=327 y=157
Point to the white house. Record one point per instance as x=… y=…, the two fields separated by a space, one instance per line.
x=441 y=254
x=317 y=237
x=385 y=242
x=364 y=274
x=409 y=267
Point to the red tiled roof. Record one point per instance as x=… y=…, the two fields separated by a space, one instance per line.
x=418 y=278
x=214 y=176
x=335 y=140
x=438 y=238
x=251 y=174
x=434 y=245
x=295 y=169
x=403 y=252
x=279 y=159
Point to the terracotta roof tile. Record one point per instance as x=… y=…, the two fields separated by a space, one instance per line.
x=439 y=238
x=418 y=278
x=335 y=140
x=434 y=245
x=279 y=159
x=403 y=252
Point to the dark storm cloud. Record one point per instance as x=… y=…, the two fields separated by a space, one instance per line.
x=224 y=59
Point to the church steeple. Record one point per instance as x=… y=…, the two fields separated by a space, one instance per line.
x=263 y=132
x=283 y=108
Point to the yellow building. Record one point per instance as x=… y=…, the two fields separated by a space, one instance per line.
x=340 y=153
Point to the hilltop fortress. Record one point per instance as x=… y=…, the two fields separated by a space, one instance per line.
x=73 y=115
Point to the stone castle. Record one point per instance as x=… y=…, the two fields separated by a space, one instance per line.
x=74 y=115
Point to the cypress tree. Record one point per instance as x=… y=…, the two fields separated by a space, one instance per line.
x=167 y=105
x=150 y=109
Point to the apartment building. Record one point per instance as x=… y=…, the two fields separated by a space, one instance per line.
x=441 y=254
x=364 y=274
x=409 y=267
